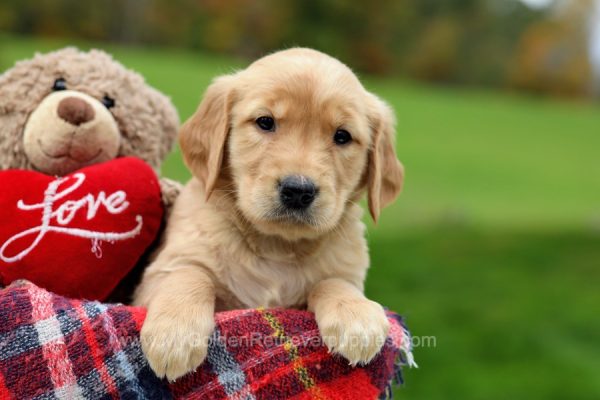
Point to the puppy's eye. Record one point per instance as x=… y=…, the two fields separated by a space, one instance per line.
x=266 y=123
x=342 y=137
x=59 y=84
x=108 y=102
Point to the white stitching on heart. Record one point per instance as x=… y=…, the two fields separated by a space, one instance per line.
x=115 y=203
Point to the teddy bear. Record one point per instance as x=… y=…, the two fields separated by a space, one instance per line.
x=59 y=91
x=69 y=110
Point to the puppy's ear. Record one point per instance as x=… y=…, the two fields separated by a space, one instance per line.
x=385 y=172
x=202 y=137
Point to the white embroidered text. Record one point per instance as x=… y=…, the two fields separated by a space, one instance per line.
x=57 y=218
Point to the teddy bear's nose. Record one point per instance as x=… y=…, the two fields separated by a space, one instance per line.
x=75 y=111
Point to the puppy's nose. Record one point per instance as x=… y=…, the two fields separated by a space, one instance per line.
x=75 y=111
x=297 y=192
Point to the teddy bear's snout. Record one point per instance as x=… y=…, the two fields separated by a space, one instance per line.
x=69 y=130
x=75 y=111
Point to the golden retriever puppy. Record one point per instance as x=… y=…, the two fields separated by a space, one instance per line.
x=280 y=152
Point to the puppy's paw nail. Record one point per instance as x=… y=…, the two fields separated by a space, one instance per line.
x=173 y=351
x=357 y=333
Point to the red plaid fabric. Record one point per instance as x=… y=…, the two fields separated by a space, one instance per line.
x=56 y=348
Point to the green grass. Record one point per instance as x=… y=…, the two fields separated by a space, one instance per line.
x=494 y=246
x=515 y=315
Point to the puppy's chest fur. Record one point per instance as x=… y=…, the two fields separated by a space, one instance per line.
x=261 y=282
x=269 y=272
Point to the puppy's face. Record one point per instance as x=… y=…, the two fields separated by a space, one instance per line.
x=298 y=146
x=302 y=139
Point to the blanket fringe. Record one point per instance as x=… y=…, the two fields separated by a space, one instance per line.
x=404 y=357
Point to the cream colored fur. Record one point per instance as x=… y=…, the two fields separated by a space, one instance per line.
x=224 y=250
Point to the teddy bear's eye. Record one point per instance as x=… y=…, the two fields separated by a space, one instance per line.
x=59 y=84
x=108 y=102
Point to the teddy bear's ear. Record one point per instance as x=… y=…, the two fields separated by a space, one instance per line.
x=20 y=93
x=202 y=138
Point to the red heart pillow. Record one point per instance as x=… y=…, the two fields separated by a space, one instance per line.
x=78 y=235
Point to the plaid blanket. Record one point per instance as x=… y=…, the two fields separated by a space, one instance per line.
x=57 y=348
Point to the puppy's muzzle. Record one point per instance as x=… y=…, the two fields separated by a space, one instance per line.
x=297 y=192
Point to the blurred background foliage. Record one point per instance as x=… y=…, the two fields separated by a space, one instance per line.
x=493 y=248
x=501 y=43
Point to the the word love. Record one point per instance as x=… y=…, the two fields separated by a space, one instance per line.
x=58 y=218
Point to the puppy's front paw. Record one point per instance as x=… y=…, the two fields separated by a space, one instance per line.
x=354 y=329
x=175 y=344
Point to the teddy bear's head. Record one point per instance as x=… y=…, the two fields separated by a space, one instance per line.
x=68 y=109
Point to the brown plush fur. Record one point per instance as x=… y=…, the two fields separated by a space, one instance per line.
x=146 y=119
x=226 y=244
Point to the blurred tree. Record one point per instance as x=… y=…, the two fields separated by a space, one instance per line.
x=436 y=52
x=480 y=42
x=553 y=56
